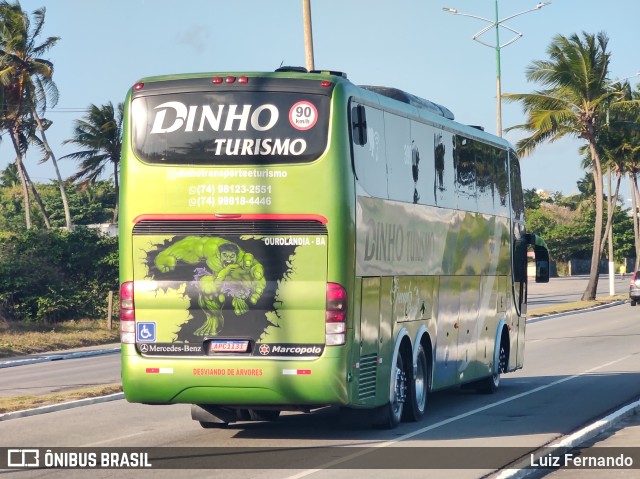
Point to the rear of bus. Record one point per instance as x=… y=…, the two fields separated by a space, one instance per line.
x=236 y=212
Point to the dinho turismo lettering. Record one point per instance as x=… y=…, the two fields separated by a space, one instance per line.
x=390 y=242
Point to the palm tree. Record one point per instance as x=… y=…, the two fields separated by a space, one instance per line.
x=27 y=87
x=41 y=125
x=9 y=176
x=99 y=132
x=619 y=146
x=573 y=103
x=11 y=109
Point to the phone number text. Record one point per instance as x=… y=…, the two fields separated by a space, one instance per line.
x=210 y=189
x=230 y=200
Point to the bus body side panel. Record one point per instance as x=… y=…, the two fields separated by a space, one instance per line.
x=367 y=343
x=446 y=346
x=443 y=213
x=468 y=325
x=388 y=333
x=494 y=295
x=518 y=230
x=388 y=305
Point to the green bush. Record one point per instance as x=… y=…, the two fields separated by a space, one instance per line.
x=56 y=275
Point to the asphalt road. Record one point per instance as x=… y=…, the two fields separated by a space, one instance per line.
x=577 y=368
x=570 y=289
x=49 y=377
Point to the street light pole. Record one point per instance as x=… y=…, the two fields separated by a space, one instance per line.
x=498 y=77
x=612 y=269
x=496 y=23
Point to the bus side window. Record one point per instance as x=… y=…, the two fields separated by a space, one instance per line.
x=359 y=125
x=517 y=199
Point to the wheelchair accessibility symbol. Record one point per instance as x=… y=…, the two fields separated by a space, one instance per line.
x=145 y=332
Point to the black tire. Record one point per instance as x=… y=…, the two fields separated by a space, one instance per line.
x=418 y=388
x=632 y=302
x=490 y=384
x=391 y=413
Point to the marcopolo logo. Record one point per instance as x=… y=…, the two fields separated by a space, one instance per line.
x=290 y=349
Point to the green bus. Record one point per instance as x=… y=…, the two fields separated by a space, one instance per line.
x=291 y=241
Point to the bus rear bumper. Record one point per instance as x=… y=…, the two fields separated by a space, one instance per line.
x=286 y=384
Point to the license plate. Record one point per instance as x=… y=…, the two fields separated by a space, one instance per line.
x=228 y=346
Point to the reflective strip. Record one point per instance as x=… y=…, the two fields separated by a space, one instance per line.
x=159 y=370
x=296 y=372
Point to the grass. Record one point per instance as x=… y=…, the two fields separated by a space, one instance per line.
x=20 y=403
x=25 y=338
x=19 y=338
x=575 y=306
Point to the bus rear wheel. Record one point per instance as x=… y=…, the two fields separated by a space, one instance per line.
x=490 y=385
x=418 y=387
x=392 y=411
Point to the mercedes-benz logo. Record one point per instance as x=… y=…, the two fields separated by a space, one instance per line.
x=144 y=348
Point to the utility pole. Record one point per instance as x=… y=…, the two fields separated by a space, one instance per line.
x=612 y=269
x=308 y=34
x=498 y=47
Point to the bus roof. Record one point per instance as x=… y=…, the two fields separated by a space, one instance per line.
x=416 y=101
x=336 y=77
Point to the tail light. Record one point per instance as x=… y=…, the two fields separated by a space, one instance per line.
x=336 y=315
x=229 y=79
x=127 y=314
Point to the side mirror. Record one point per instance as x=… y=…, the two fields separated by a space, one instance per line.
x=541 y=253
x=520 y=260
x=542 y=264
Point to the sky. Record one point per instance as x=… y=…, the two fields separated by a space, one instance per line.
x=105 y=46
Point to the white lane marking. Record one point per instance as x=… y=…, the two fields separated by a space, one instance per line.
x=452 y=419
x=106 y=441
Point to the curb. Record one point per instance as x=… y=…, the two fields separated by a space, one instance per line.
x=575 y=311
x=566 y=443
x=61 y=406
x=57 y=357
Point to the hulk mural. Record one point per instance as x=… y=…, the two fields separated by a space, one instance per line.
x=229 y=288
x=230 y=274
